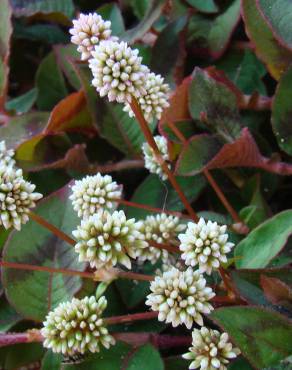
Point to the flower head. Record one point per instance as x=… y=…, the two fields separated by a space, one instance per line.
x=17 y=197
x=151 y=162
x=94 y=192
x=205 y=244
x=155 y=100
x=160 y=229
x=88 y=30
x=106 y=239
x=6 y=155
x=180 y=297
x=77 y=327
x=117 y=71
x=210 y=350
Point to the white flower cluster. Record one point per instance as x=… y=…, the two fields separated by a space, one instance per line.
x=117 y=71
x=6 y=155
x=106 y=239
x=88 y=30
x=210 y=350
x=77 y=327
x=151 y=162
x=180 y=297
x=155 y=100
x=161 y=229
x=17 y=197
x=205 y=244
x=94 y=192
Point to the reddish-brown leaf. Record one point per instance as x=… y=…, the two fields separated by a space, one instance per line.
x=244 y=152
x=276 y=290
x=71 y=114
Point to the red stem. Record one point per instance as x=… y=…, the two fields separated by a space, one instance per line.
x=149 y=208
x=169 y=248
x=130 y=318
x=158 y=340
x=148 y=135
x=24 y=266
x=86 y=275
x=41 y=221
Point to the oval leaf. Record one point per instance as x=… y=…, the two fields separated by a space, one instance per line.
x=263 y=337
x=34 y=293
x=264 y=242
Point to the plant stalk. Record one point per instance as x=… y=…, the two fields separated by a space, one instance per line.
x=148 y=136
x=60 y=234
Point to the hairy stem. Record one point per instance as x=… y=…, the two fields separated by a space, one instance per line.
x=211 y=181
x=118 y=166
x=148 y=136
x=150 y=209
x=131 y=317
x=24 y=266
x=86 y=275
x=41 y=221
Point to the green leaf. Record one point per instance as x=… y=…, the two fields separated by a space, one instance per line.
x=106 y=359
x=47 y=33
x=66 y=57
x=281 y=112
x=134 y=292
x=264 y=242
x=257 y=211
x=215 y=104
x=263 y=337
x=165 y=51
x=139 y=7
x=112 y=13
x=198 y=151
x=278 y=14
x=145 y=358
x=267 y=48
x=153 y=12
x=50 y=83
x=119 y=129
x=5 y=34
x=8 y=316
x=213 y=35
x=22 y=355
x=240 y=364
x=34 y=293
x=205 y=6
x=245 y=70
x=153 y=192
x=175 y=363
x=23 y=103
x=52 y=361
x=27 y=8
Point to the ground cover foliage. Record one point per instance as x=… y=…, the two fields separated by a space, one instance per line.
x=229 y=144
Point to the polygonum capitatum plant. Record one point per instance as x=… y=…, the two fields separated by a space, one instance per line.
x=158 y=204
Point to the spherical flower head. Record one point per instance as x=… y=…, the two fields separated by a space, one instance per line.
x=88 y=30
x=94 y=192
x=6 y=155
x=77 y=327
x=151 y=163
x=17 y=197
x=180 y=297
x=117 y=71
x=155 y=100
x=106 y=239
x=160 y=229
x=210 y=350
x=205 y=244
